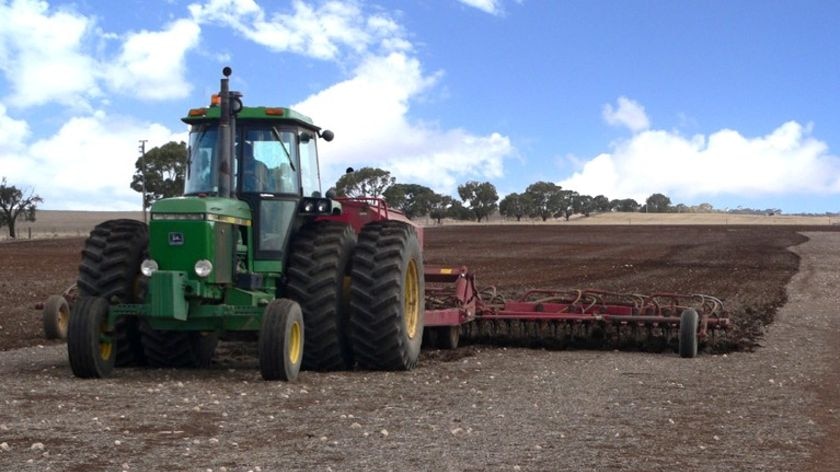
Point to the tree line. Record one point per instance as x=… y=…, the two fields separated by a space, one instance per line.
x=479 y=200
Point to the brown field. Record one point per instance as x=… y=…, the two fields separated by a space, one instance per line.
x=771 y=404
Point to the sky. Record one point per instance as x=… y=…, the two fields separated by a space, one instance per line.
x=710 y=101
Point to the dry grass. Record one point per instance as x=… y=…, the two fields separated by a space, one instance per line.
x=63 y=224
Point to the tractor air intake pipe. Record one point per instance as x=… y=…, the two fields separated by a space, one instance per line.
x=225 y=142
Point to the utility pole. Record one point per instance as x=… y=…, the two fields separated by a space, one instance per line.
x=142 y=148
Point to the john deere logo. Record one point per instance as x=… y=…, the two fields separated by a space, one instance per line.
x=176 y=239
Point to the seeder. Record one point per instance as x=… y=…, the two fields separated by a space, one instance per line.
x=457 y=309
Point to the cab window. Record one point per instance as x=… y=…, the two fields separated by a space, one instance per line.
x=269 y=158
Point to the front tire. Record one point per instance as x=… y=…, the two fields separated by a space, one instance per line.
x=90 y=347
x=281 y=340
x=387 y=297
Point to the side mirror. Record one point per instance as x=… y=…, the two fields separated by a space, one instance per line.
x=327 y=135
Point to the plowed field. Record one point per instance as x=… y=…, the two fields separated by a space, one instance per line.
x=768 y=404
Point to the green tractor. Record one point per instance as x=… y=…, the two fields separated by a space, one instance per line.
x=252 y=246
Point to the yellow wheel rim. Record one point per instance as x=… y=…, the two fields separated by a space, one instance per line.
x=295 y=343
x=105 y=345
x=412 y=299
x=63 y=318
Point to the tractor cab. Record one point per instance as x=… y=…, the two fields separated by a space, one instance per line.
x=269 y=160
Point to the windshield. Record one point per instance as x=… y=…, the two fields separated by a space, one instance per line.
x=201 y=164
x=269 y=161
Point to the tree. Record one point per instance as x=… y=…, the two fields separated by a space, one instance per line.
x=544 y=200
x=411 y=199
x=14 y=203
x=705 y=208
x=365 y=182
x=482 y=198
x=568 y=203
x=164 y=172
x=601 y=204
x=625 y=205
x=658 y=203
x=515 y=205
x=457 y=211
x=583 y=204
x=439 y=206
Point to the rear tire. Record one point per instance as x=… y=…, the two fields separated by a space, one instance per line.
x=688 y=333
x=281 y=340
x=89 y=346
x=178 y=349
x=387 y=297
x=56 y=316
x=319 y=266
x=110 y=269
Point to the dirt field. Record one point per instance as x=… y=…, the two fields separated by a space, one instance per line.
x=480 y=407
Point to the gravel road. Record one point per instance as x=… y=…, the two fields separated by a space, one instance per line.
x=477 y=408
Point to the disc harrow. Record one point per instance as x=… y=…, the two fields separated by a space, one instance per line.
x=582 y=318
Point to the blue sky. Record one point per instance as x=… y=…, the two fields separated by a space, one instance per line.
x=731 y=103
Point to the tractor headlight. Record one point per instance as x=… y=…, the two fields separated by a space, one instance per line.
x=316 y=206
x=203 y=268
x=148 y=267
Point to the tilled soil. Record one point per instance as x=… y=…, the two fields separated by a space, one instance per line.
x=478 y=407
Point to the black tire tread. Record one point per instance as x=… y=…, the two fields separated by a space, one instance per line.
x=320 y=257
x=177 y=349
x=688 y=334
x=109 y=268
x=377 y=326
x=272 y=344
x=83 y=333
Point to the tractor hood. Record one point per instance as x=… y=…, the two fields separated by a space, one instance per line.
x=224 y=210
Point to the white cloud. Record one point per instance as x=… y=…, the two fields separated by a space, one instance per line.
x=787 y=160
x=41 y=54
x=13 y=135
x=87 y=164
x=488 y=6
x=368 y=113
x=323 y=32
x=151 y=64
x=628 y=113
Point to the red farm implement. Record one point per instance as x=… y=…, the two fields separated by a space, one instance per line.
x=456 y=308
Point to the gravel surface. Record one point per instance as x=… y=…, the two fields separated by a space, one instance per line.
x=476 y=408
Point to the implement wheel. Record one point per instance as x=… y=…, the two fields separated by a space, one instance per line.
x=56 y=315
x=281 y=340
x=387 y=297
x=110 y=269
x=89 y=345
x=448 y=336
x=688 y=333
x=319 y=279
